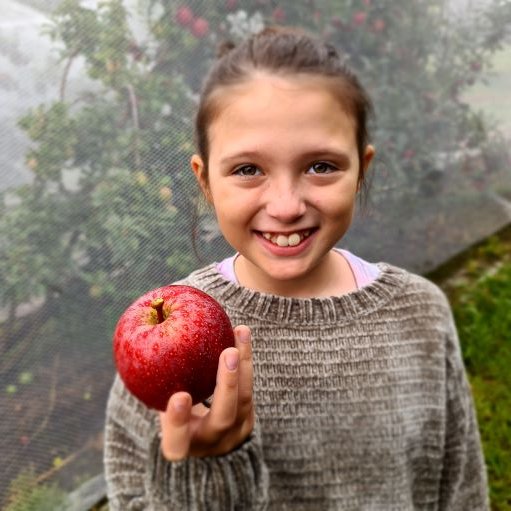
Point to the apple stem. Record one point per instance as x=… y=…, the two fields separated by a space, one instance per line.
x=158 y=306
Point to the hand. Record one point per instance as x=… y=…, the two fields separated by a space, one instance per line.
x=200 y=431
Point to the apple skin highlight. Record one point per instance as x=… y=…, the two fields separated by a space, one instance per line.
x=156 y=359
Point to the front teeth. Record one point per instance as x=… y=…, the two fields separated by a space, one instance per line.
x=283 y=240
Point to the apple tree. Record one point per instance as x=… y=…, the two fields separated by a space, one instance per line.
x=418 y=59
x=111 y=210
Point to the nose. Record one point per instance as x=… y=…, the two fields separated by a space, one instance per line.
x=285 y=200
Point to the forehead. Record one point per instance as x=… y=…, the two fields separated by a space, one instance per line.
x=264 y=106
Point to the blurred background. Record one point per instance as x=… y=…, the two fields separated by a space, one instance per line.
x=98 y=205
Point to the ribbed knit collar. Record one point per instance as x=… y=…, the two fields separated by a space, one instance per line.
x=310 y=311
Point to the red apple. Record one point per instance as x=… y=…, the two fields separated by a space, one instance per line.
x=378 y=25
x=169 y=340
x=184 y=16
x=408 y=154
x=230 y=5
x=200 y=28
x=476 y=66
x=359 y=18
x=279 y=15
x=337 y=22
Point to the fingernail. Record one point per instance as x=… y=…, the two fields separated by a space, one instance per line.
x=180 y=403
x=244 y=335
x=231 y=360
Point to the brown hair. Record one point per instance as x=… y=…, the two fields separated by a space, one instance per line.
x=282 y=51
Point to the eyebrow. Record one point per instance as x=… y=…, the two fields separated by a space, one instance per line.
x=313 y=153
x=327 y=152
x=249 y=155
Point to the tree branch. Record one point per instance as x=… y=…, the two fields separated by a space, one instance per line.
x=136 y=124
x=63 y=82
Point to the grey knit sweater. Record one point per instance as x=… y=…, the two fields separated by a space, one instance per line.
x=362 y=403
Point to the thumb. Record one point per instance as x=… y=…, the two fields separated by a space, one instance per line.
x=175 y=427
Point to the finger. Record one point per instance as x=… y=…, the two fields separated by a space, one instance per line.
x=200 y=410
x=175 y=427
x=246 y=369
x=225 y=398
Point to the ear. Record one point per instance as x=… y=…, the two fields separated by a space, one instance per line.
x=199 y=169
x=369 y=153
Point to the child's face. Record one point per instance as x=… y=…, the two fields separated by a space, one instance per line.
x=283 y=177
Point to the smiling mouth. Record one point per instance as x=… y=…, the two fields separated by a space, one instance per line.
x=286 y=240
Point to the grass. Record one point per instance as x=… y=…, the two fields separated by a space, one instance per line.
x=26 y=495
x=480 y=293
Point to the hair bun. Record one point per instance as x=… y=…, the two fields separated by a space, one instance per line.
x=224 y=47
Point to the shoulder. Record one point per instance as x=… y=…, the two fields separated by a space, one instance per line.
x=208 y=279
x=417 y=292
x=414 y=281
x=420 y=313
x=200 y=276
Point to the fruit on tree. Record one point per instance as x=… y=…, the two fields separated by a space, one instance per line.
x=378 y=25
x=230 y=5
x=184 y=16
x=200 y=28
x=359 y=18
x=476 y=66
x=279 y=15
x=170 y=340
x=165 y=193
x=337 y=22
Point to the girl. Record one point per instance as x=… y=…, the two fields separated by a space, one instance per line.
x=346 y=389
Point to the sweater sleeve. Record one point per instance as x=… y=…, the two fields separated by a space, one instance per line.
x=139 y=478
x=464 y=479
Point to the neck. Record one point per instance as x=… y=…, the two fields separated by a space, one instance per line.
x=332 y=277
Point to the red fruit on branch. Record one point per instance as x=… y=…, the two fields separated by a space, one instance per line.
x=476 y=66
x=230 y=5
x=378 y=25
x=337 y=22
x=359 y=18
x=170 y=340
x=279 y=15
x=184 y=16
x=200 y=28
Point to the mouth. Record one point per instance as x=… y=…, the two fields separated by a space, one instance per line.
x=291 y=239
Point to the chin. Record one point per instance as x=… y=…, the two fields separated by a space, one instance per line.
x=287 y=276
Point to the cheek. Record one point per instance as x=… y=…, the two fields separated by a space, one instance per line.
x=230 y=201
x=230 y=210
x=335 y=203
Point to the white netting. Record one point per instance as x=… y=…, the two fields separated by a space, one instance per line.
x=97 y=202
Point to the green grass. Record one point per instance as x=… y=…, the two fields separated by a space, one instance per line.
x=480 y=294
x=26 y=495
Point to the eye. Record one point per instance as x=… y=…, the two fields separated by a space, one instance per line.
x=321 y=167
x=247 y=171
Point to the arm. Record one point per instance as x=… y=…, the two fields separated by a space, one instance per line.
x=141 y=475
x=140 y=478
x=235 y=481
x=464 y=480
x=127 y=429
